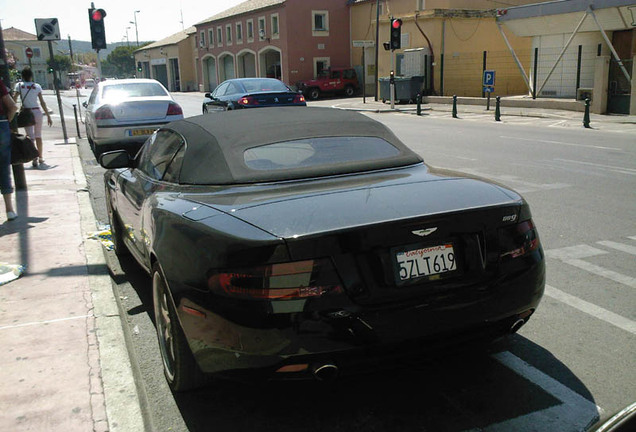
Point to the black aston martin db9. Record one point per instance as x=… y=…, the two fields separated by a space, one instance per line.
x=295 y=243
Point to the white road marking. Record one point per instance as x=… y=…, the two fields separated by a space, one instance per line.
x=618 y=169
x=592 y=310
x=574 y=252
x=603 y=272
x=632 y=237
x=575 y=414
x=559 y=123
x=560 y=143
x=619 y=247
x=43 y=322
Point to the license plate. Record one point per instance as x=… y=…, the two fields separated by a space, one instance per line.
x=140 y=132
x=424 y=262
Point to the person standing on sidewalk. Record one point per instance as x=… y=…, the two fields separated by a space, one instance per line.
x=8 y=108
x=29 y=92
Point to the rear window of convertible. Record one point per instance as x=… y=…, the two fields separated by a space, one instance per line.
x=317 y=152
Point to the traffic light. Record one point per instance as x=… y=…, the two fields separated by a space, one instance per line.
x=138 y=66
x=396 y=33
x=98 y=33
x=49 y=69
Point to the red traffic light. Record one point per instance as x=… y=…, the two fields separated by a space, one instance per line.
x=98 y=15
x=397 y=23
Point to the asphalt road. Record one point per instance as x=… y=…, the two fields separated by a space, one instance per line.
x=573 y=363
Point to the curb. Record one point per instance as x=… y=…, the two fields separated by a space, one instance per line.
x=121 y=396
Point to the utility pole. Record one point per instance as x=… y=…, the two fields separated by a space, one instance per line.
x=377 y=40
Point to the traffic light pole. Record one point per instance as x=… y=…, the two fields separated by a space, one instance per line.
x=57 y=92
x=392 y=80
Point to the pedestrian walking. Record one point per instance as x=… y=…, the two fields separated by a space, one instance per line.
x=30 y=93
x=8 y=108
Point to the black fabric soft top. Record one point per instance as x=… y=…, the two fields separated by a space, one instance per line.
x=215 y=143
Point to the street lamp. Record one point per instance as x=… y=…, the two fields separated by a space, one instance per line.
x=135 y=23
x=127 y=40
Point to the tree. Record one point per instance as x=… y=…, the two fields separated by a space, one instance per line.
x=120 y=62
x=60 y=63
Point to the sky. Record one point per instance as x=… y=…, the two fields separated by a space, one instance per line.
x=156 y=19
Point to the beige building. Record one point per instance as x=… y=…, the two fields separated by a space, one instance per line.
x=17 y=42
x=170 y=61
x=448 y=42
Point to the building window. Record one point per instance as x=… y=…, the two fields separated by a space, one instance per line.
x=239 y=33
x=211 y=37
x=261 y=28
x=202 y=39
x=321 y=66
x=275 y=29
x=250 y=31
x=421 y=5
x=228 y=34
x=320 y=23
x=219 y=36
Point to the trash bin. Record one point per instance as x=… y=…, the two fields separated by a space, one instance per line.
x=406 y=88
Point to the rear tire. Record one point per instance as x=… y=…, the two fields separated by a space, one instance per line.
x=349 y=91
x=179 y=366
x=314 y=93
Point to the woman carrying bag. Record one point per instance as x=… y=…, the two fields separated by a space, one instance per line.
x=30 y=92
x=8 y=109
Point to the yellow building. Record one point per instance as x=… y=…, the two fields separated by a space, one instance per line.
x=169 y=61
x=448 y=42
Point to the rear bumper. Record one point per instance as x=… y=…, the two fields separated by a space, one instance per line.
x=123 y=134
x=352 y=336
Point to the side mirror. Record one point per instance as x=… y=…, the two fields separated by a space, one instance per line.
x=85 y=104
x=208 y=95
x=116 y=159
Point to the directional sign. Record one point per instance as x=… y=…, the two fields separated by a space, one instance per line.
x=489 y=89
x=47 y=29
x=489 y=78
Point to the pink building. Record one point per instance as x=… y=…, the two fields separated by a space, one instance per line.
x=290 y=40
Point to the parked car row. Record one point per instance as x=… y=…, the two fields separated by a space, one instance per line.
x=303 y=242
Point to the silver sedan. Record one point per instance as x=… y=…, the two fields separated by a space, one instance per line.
x=122 y=114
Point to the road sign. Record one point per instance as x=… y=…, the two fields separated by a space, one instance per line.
x=47 y=29
x=363 y=43
x=489 y=89
x=28 y=52
x=489 y=78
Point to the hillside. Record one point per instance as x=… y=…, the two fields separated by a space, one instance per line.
x=85 y=46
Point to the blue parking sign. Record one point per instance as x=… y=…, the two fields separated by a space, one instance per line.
x=489 y=78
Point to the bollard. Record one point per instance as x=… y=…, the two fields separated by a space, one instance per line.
x=497 y=110
x=76 y=122
x=19 y=178
x=454 y=106
x=418 y=100
x=586 y=116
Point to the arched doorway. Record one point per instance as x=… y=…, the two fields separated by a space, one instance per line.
x=226 y=67
x=269 y=61
x=209 y=71
x=246 y=64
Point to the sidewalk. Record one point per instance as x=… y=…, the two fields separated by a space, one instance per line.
x=475 y=109
x=64 y=365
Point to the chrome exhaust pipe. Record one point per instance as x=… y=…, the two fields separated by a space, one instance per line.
x=325 y=372
x=517 y=325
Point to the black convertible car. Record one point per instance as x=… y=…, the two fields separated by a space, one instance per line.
x=293 y=243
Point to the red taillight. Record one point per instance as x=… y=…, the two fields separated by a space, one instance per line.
x=519 y=240
x=247 y=100
x=174 y=109
x=104 y=113
x=285 y=281
x=299 y=99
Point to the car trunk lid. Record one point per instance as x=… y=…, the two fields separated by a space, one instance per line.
x=140 y=109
